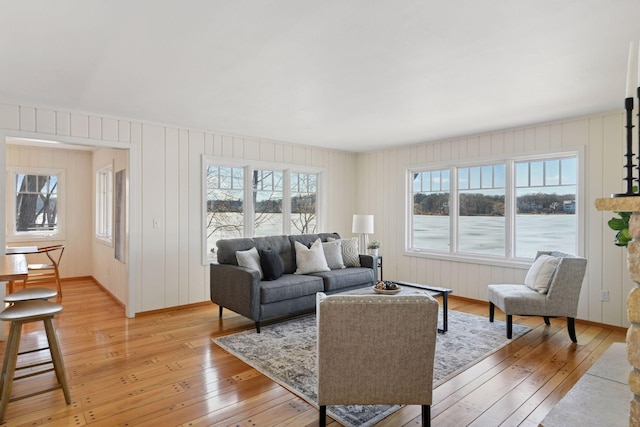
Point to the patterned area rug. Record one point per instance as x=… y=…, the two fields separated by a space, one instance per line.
x=286 y=353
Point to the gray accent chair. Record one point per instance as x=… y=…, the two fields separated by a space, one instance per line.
x=376 y=349
x=561 y=299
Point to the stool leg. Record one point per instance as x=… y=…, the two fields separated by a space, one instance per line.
x=56 y=356
x=9 y=366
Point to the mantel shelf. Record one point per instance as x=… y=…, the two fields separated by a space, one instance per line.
x=619 y=204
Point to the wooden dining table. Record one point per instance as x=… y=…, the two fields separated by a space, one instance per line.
x=13 y=267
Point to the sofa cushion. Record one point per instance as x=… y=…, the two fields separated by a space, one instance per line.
x=270 y=263
x=289 y=286
x=310 y=260
x=249 y=259
x=333 y=254
x=335 y=280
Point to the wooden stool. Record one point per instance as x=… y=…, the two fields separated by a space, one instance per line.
x=29 y=294
x=19 y=314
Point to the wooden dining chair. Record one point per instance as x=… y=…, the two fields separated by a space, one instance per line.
x=48 y=271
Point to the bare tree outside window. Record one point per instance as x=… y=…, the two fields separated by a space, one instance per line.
x=36 y=203
x=227 y=209
x=225 y=204
x=267 y=202
x=304 y=189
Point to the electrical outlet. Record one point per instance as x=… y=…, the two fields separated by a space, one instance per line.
x=604 y=296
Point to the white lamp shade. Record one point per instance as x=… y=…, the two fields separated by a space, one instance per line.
x=362 y=224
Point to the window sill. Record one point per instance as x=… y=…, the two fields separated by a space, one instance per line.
x=36 y=238
x=522 y=264
x=105 y=242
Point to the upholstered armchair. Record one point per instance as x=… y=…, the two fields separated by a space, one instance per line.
x=551 y=289
x=376 y=349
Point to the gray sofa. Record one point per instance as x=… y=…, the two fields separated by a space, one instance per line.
x=240 y=289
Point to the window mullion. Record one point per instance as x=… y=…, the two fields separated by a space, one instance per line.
x=248 y=208
x=510 y=208
x=286 y=201
x=453 y=210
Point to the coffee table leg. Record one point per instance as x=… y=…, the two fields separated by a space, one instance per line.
x=445 y=312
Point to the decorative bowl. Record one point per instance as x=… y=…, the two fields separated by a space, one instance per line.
x=388 y=291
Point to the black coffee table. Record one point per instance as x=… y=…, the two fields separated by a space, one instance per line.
x=435 y=291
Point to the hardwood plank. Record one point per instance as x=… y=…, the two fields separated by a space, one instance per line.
x=161 y=368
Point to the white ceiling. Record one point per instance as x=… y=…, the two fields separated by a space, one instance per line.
x=356 y=75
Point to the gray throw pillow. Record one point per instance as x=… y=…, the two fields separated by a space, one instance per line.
x=350 y=255
x=250 y=259
x=333 y=254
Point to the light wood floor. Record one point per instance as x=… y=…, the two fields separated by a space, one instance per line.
x=163 y=370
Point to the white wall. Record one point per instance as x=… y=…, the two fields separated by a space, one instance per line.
x=381 y=192
x=165 y=263
x=105 y=268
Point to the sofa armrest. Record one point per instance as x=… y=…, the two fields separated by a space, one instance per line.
x=236 y=288
x=370 y=261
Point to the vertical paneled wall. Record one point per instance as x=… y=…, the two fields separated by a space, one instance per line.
x=166 y=257
x=381 y=189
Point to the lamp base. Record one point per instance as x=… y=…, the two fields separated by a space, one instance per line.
x=363 y=243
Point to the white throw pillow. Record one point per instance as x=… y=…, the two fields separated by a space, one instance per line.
x=250 y=259
x=333 y=254
x=310 y=260
x=350 y=255
x=541 y=272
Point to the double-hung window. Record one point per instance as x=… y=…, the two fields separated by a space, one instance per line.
x=34 y=208
x=506 y=209
x=104 y=204
x=247 y=200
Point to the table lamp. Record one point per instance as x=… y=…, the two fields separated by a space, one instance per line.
x=363 y=225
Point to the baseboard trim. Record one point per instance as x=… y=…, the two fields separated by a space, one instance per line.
x=174 y=308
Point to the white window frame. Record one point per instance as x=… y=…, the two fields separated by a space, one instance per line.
x=249 y=166
x=12 y=234
x=508 y=260
x=104 y=205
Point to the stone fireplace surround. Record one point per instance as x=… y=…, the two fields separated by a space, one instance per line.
x=631 y=204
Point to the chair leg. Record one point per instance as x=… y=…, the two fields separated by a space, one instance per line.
x=547 y=321
x=56 y=357
x=58 y=283
x=509 y=326
x=9 y=365
x=571 y=326
x=322 y=421
x=220 y=312
x=426 y=415
x=492 y=310
x=258 y=327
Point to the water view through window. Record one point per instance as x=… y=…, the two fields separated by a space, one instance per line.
x=543 y=211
